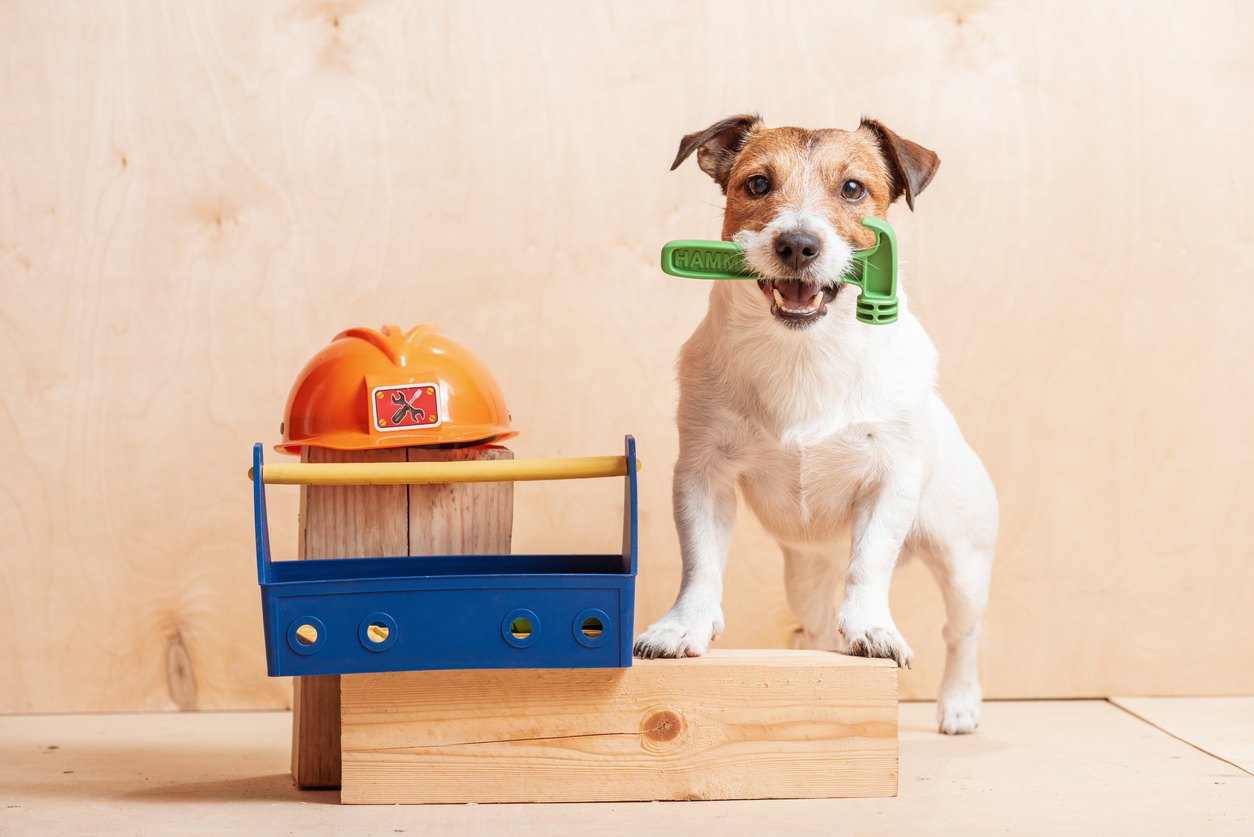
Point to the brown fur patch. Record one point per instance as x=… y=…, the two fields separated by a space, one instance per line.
x=718 y=145
x=911 y=165
x=808 y=168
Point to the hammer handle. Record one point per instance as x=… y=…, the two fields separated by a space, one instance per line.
x=421 y=473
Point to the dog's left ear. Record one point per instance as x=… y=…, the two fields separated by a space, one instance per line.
x=718 y=145
x=911 y=165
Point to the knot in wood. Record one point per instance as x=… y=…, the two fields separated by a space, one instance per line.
x=661 y=725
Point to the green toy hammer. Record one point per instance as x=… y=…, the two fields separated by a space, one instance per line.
x=874 y=269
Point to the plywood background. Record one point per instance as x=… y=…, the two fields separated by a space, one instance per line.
x=195 y=196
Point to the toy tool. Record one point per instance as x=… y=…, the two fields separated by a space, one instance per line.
x=408 y=613
x=874 y=269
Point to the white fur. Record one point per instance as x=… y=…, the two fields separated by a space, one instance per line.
x=838 y=441
x=759 y=246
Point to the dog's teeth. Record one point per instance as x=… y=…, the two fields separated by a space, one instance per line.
x=813 y=304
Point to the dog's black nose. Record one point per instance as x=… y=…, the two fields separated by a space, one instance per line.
x=797 y=248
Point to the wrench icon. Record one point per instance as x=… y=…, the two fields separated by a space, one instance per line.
x=406 y=408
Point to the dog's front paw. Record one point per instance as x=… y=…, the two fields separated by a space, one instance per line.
x=876 y=641
x=672 y=636
x=958 y=710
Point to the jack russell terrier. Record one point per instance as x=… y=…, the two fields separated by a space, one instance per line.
x=832 y=428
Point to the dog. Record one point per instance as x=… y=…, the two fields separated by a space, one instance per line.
x=831 y=428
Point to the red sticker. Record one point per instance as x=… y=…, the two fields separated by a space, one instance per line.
x=405 y=406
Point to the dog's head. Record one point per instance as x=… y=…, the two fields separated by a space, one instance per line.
x=796 y=200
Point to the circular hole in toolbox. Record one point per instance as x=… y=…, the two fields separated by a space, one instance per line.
x=592 y=627
x=377 y=632
x=306 y=635
x=521 y=627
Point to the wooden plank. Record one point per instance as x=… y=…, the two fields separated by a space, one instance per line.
x=315 y=731
x=359 y=521
x=177 y=244
x=461 y=518
x=1039 y=768
x=339 y=521
x=1221 y=726
x=354 y=521
x=729 y=725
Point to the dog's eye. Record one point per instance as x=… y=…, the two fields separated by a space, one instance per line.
x=758 y=186
x=852 y=190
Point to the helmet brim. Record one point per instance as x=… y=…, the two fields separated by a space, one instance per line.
x=465 y=437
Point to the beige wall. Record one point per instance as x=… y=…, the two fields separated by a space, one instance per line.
x=194 y=197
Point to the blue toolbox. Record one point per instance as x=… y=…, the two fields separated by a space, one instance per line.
x=407 y=613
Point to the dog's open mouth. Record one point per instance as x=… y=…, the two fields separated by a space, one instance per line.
x=797 y=301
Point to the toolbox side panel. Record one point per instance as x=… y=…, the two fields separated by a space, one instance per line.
x=442 y=626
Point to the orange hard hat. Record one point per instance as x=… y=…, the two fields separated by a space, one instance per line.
x=389 y=388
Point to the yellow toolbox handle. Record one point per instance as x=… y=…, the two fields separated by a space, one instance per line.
x=421 y=473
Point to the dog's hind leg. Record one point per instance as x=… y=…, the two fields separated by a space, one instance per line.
x=811 y=579
x=963 y=573
x=954 y=535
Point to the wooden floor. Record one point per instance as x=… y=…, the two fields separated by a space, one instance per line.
x=1156 y=766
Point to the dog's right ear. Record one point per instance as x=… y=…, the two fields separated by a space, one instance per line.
x=718 y=145
x=911 y=165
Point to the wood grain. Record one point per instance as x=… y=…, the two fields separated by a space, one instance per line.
x=196 y=197
x=461 y=518
x=1221 y=726
x=353 y=521
x=731 y=725
x=315 y=761
x=183 y=775
x=339 y=521
x=367 y=521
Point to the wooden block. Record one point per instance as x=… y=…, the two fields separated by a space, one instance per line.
x=316 y=741
x=364 y=521
x=353 y=521
x=729 y=725
x=461 y=518
x=339 y=521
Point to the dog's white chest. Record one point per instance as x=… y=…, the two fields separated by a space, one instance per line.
x=803 y=486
